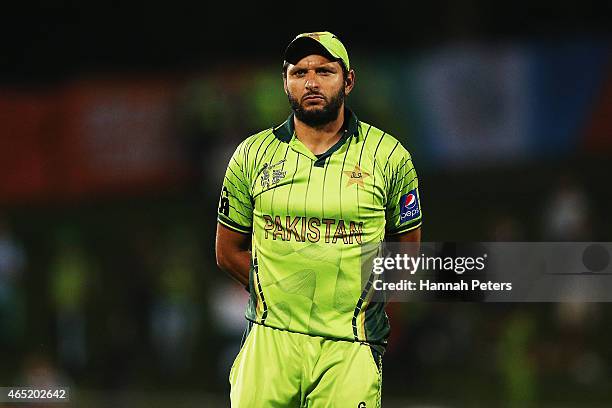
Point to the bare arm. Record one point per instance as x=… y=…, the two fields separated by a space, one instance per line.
x=410 y=236
x=413 y=236
x=233 y=253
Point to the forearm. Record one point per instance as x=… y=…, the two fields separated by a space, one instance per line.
x=233 y=253
x=236 y=265
x=411 y=242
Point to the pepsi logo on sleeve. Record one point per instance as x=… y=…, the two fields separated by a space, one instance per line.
x=409 y=206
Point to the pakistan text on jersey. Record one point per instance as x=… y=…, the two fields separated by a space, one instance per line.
x=300 y=229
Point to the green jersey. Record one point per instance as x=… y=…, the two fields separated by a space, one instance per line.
x=309 y=217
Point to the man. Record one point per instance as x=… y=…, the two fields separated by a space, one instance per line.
x=299 y=202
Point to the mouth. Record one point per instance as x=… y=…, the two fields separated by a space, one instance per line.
x=313 y=98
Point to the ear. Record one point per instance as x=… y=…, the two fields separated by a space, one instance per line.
x=349 y=83
x=285 y=85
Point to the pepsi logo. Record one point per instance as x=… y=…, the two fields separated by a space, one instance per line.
x=410 y=201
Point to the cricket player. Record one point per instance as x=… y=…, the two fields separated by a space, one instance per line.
x=299 y=201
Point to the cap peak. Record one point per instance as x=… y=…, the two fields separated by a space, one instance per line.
x=323 y=42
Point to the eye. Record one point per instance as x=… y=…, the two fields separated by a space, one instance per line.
x=299 y=72
x=324 y=71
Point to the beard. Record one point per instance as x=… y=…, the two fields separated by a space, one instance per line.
x=318 y=117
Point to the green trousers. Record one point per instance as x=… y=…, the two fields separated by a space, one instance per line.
x=281 y=369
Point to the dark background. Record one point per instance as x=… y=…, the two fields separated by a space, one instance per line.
x=51 y=41
x=117 y=121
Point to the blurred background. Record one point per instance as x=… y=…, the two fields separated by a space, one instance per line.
x=117 y=122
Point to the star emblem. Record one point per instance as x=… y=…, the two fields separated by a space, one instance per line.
x=356 y=176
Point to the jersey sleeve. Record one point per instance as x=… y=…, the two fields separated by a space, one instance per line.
x=403 y=210
x=235 y=205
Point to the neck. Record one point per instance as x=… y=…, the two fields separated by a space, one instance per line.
x=319 y=139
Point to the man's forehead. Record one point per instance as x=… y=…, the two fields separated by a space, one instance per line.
x=315 y=60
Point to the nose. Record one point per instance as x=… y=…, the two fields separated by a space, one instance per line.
x=311 y=82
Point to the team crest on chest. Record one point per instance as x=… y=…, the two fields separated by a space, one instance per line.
x=356 y=176
x=272 y=174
